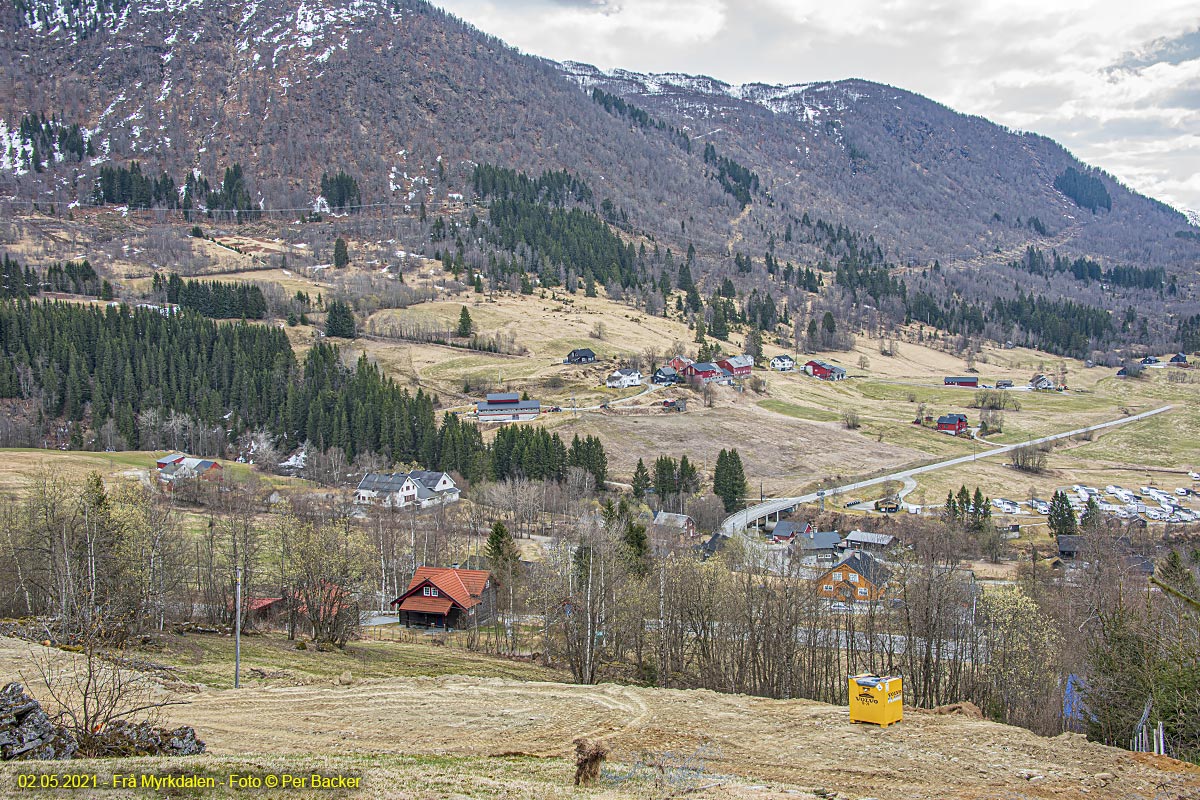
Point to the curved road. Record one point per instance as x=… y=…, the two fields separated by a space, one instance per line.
x=739 y=520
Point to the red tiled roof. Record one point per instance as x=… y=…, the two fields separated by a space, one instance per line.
x=260 y=603
x=462 y=586
x=427 y=605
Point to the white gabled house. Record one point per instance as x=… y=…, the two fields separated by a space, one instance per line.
x=783 y=363
x=421 y=488
x=624 y=378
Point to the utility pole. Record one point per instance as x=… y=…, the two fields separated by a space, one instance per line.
x=237 y=632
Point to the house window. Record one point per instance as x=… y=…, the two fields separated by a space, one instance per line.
x=862 y=591
x=852 y=577
x=827 y=588
x=837 y=576
x=431 y=591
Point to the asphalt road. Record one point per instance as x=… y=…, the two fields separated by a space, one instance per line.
x=739 y=520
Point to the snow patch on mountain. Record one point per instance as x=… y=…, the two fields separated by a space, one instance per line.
x=807 y=102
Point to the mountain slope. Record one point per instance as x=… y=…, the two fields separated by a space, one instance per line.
x=409 y=99
x=936 y=182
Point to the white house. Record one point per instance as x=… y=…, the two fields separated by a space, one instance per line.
x=783 y=363
x=624 y=378
x=403 y=489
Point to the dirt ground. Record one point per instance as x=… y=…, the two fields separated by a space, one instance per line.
x=793 y=742
x=796 y=743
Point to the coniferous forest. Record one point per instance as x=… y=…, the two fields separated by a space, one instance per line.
x=140 y=367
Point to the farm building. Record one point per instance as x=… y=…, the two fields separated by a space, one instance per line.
x=706 y=372
x=507 y=407
x=678 y=363
x=952 y=424
x=666 y=375
x=403 y=489
x=1179 y=359
x=185 y=468
x=967 y=380
x=785 y=532
x=865 y=540
x=783 y=363
x=1041 y=383
x=167 y=460
x=583 y=355
x=738 y=366
x=624 y=378
x=856 y=578
x=825 y=371
x=442 y=597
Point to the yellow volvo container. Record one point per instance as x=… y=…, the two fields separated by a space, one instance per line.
x=878 y=699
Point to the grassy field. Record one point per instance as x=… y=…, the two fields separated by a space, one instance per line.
x=20 y=466
x=209 y=659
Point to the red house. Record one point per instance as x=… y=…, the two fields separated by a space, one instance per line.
x=953 y=424
x=738 y=366
x=703 y=372
x=442 y=597
x=678 y=363
x=966 y=380
x=825 y=371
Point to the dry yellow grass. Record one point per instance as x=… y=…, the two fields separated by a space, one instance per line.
x=459 y=735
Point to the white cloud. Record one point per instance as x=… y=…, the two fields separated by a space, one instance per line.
x=1114 y=81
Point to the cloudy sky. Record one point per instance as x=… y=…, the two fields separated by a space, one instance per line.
x=1118 y=83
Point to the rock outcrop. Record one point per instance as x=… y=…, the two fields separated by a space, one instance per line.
x=28 y=733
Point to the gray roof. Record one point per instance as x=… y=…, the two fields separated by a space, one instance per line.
x=787 y=528
x=949 y=418
x=674 y=520
x=1069 y=544
x=503 y=397
x=865 y=537
x=739 y=361
x=865 y=565
x=705 y=366
x=426 y=478
x=828 y=366
x=819 y=540
x=582 y=352
x=382 y=482
x=666 y=371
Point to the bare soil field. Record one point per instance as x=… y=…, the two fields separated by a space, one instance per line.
x=778 y=745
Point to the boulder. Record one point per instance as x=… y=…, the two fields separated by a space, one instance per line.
x=121 y=738
x=27 y=733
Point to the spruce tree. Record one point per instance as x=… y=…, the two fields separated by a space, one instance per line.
x=1062 y=516
x=339 y=321
x=464 y=322
x=729 y=479
x=754 y=346
x=341 y=254
x=637 y=546
x=641 y=480
x=500 y=549
x=1091 y=517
